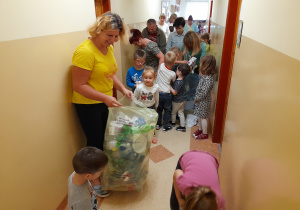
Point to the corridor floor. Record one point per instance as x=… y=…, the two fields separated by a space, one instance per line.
x=163 y=159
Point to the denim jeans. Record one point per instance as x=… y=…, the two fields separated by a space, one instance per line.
x=165 y=104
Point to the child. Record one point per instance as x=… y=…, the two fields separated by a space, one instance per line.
x=179 y=60
x=203 y=95
x=196 y=183
x=179 y=98
x=88 y=164
x=134 y=74
x=164 y=78
x=146 y=94
x=205 y=38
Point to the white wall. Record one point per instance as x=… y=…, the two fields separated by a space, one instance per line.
x=273 y=24
x=219 y=12
x=32 y=18
x=198 y=10
x=136 y=11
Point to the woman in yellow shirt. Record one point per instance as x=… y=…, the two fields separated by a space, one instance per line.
x=93 y=77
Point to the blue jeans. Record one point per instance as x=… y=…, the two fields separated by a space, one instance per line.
x=165 y=104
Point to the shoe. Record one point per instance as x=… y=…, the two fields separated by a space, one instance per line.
x=166 y=128
x=181 y=129
x=158 y=127
x=154 y=140
x=202 y=136
x=173 y=123
x=197 y=133
x=99 y=192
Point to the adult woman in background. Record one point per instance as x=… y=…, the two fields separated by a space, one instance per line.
x=193 y=48
x=191 y=26
x=163 y=26
x=93 y=77
x=154 y=57
x=176 y=37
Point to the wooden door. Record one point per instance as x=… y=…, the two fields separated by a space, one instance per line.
x=233 y=14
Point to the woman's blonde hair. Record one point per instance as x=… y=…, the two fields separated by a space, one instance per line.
x=107 y=21
x=191 y=38
x=201 y=198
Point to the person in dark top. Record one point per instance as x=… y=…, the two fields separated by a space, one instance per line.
x=155 y=34
x=154 y=57
x=179 y=98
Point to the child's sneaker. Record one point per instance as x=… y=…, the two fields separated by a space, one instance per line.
x=197 y=133
x=202 y=136
x=99 y=192
x=158 y=127
x=166 y=128
x=181 y=129
x=154 y=140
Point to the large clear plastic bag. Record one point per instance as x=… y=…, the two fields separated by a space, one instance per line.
x=128 y=136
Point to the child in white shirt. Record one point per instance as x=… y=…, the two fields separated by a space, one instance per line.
x=165 y=76
x=146 y=94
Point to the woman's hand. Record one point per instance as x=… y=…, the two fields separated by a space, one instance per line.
x=128 y=93
x=111 y=101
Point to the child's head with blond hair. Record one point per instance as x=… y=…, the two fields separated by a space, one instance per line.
x=148 y=76
x=169 y=59
x=177 y=52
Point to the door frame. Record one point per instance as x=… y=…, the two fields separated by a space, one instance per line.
x=229 y=45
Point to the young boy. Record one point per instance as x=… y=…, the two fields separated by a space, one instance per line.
x=134 y=74
x=179 y=97
x=88 y=164
x=164 y=78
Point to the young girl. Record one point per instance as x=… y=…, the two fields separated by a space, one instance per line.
x=196 y=183
x=146 y=94
x=203 y=95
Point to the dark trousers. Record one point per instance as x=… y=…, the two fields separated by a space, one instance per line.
x=165 y=104
x=173 y=199
x=93 y=118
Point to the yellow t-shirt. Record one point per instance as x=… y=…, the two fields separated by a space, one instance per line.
x=103 y=68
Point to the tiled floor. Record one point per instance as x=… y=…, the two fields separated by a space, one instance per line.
x=163 y=159
x=159 y=153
